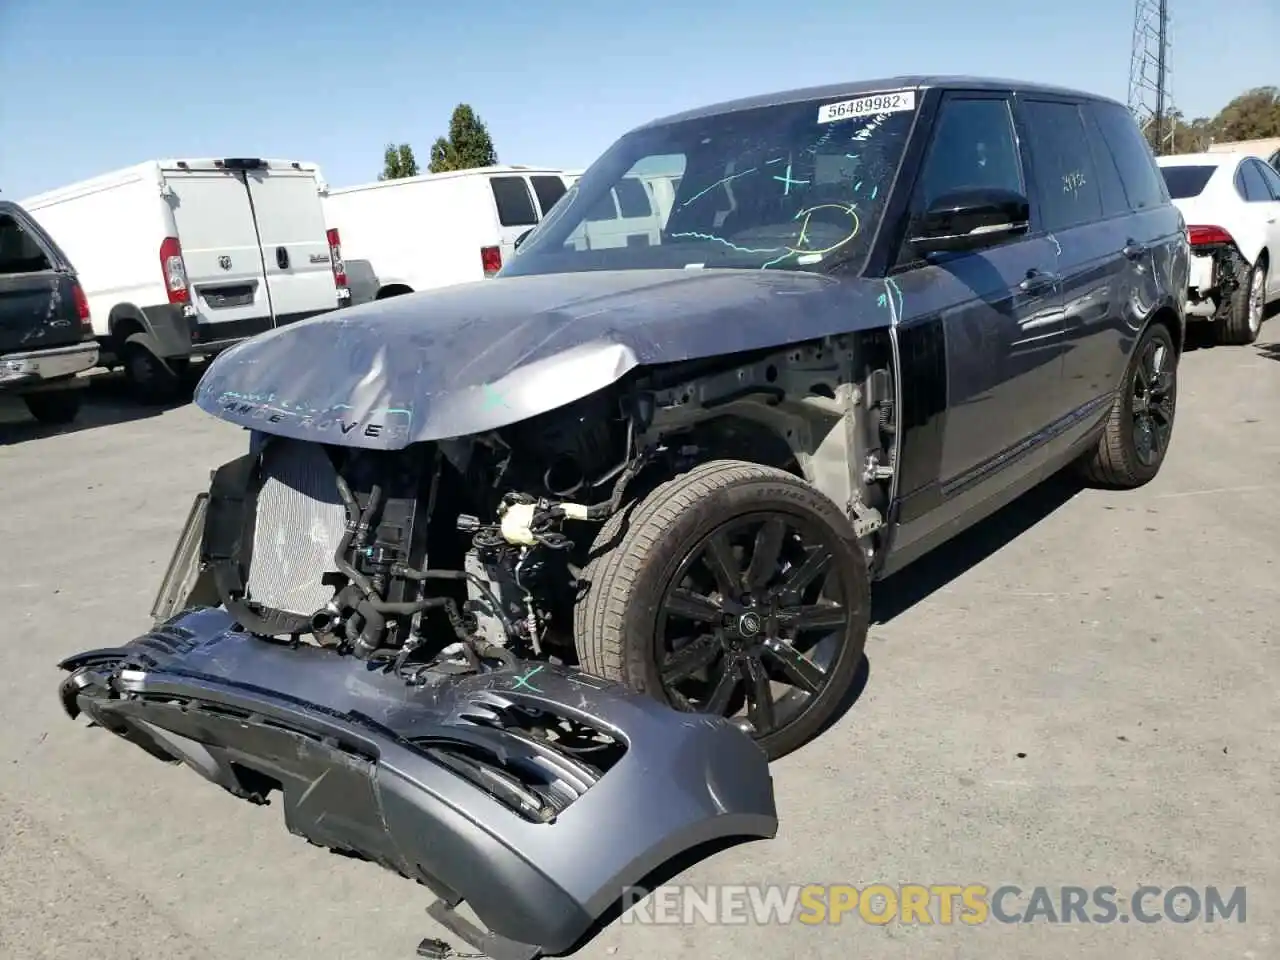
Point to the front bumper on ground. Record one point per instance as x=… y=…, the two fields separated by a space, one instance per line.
x=42 y=366
x=439 y=781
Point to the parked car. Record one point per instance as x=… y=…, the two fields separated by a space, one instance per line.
x=1231 y=203
x=46 y=335
x=420 y=233
x=183 y=258
x=876 y=312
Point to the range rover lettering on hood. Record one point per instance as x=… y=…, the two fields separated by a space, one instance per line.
x=479 y=356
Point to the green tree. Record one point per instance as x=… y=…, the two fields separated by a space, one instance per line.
x=1252 y=115
x=468 y=144
x=398 y=161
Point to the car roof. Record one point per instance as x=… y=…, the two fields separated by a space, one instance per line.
x=1201 y=159
x=861 y=87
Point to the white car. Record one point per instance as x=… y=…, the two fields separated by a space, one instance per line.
x=1231 y=202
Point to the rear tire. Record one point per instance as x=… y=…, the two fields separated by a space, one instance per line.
x=730 y=636
x=151 y=379
x=54 y=408
x=1240 y=324
x=1140 y=426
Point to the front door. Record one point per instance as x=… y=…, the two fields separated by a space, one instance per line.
x=998 y=309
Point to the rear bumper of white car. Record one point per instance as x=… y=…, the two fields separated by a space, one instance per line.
x=1202 y=281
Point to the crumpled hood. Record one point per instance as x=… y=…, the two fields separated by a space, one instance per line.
x=461 y=360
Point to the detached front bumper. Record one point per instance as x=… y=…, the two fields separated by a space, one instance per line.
x=453 y=782
x=38 y=367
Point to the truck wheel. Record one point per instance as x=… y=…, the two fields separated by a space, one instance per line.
x=1241 y=322
x=1140 y=425
x=55 y=407
x=733 y=589
x=151 y=379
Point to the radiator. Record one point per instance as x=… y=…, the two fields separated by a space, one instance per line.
x=300 y=520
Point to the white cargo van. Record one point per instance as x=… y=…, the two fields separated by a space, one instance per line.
x=441 y=228
x=183 y=258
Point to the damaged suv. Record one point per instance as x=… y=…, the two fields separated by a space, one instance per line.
x=863 y=318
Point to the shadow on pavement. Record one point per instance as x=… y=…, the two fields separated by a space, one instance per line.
x=104 y=402
x=897 y=594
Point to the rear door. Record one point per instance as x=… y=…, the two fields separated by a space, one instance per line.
x=513 y=201
x=37 y=307
x=1092 y=267
x=1271 y=220
x=295 y=251
x=548 y=188
x=220 y=249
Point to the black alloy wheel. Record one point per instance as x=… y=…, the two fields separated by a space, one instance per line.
x=734 y=589
x=1153 y=397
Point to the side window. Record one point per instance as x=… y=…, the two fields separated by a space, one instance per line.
x=1137 y=164
x=1066 y=184
x=549 y=190
x=633 y=199
x=515 y=205
x=1110 y=186
x=603 y=210
x=20 y=252
x=1250 y=185
x=973 y=146
x=1272 y=176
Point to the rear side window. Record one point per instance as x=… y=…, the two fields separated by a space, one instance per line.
x=633 y=199
x=549 y=190
x=1250 y=185
x=1187 y=182
x=515 y=205
x=1273 y=179
x=20 y=252
x=1137 y=165
x=1066 y=182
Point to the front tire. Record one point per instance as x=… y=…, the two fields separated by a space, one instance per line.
x=734 y=589
x=1140 y=426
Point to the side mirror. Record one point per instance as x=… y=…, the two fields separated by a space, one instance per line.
x=969 y=220
x=521 y=239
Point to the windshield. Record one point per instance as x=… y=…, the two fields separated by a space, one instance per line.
x=1187 y=182
x=776 y=187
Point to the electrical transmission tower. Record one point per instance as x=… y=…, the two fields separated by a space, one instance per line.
x=1149 y=96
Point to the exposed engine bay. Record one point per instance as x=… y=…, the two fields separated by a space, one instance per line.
x=459 y=553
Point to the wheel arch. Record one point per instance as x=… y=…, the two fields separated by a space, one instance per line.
x=1168 y=317
x=393 y=289
x=124 y=320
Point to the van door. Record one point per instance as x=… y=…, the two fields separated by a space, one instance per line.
x=295 y=251
x=513 y=201
x=219 y=238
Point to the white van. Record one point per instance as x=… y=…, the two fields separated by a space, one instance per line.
x=183 y=258
x=439 y=229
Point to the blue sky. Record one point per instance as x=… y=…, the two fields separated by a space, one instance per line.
x=90 y=86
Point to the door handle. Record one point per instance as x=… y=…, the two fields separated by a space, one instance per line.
x=1037 y=280
x=1133 y=249
x=282 y=258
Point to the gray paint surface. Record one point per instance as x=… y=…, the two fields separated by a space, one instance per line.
x=473 y=357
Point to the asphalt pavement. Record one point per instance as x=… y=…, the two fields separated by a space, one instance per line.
x=1081 y=691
